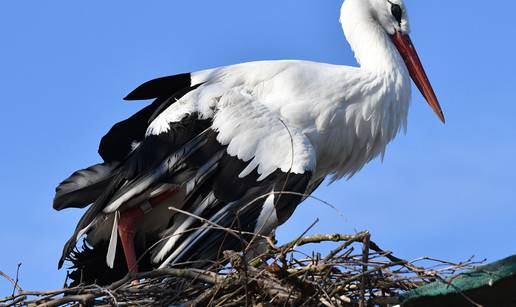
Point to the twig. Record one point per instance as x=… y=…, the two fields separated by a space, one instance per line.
x=17 y=278
x=12 y=281
x=365 y=267
x=84 y=299
x=352 y=239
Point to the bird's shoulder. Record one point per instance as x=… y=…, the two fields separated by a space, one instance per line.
x=259 y=71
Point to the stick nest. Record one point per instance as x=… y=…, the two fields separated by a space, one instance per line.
x=357 y=272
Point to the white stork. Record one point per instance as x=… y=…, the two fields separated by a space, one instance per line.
x=217 y=147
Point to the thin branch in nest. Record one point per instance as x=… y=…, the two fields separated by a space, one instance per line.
x=12 y=281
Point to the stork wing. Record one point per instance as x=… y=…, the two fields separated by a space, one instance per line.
x=238 y=162
x=117 y=143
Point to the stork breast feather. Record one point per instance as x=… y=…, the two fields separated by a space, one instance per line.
x=256 y=134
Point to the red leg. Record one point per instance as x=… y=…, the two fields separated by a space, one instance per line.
x=127 y=229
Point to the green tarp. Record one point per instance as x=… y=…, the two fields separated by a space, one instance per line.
x=489 y=285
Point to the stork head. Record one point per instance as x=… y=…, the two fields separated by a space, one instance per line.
x=391 y=16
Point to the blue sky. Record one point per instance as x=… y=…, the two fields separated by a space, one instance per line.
x=443 y=191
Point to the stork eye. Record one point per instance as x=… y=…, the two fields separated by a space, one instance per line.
x=397 y=12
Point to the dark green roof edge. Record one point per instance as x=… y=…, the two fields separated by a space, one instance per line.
x=485 y=275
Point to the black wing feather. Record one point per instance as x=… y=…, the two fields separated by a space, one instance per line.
x=160 y=87
x=117 y=143
x=83 y=187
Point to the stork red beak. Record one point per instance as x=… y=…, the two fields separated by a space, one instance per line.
x=417 y=72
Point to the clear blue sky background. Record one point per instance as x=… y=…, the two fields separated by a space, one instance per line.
x=445 y=191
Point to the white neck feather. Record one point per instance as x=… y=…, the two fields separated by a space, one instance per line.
x=379 y=111
x=372 y=46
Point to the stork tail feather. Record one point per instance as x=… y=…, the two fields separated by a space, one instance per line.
x=111 y=253
x=83 y=187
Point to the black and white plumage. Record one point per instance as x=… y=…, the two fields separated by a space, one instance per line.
x=228 y=141
x=187 y=154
